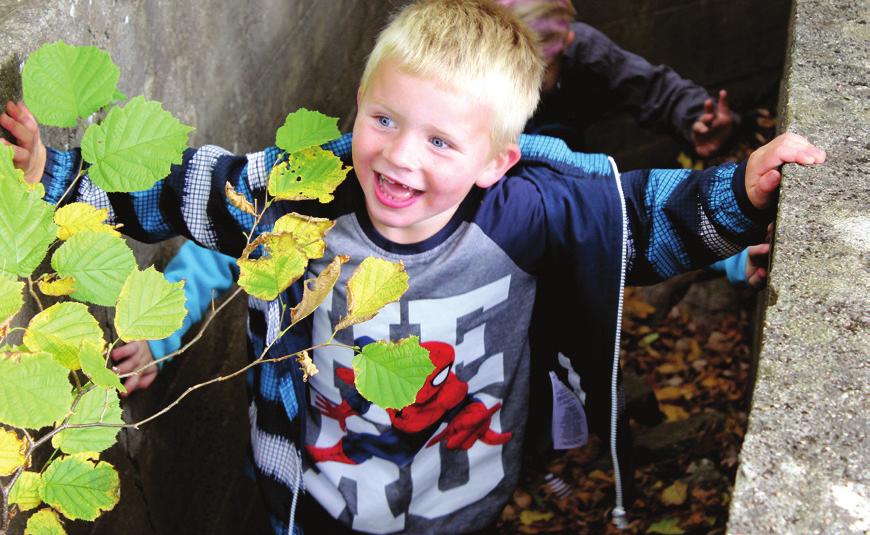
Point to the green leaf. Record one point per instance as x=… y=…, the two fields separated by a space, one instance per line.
x=12 y=451
x=268 y=276
x=389 y=374
x=308 y=232
x=79 y=489
x=316 y=290
x=26 y=228
x=8 y=171
x=99 y=405
x=134 y=147
x=94 y=365
x=667 y=526
x=26 y=491
x=305 y=128
x=311 y=173
x=149 y=307
x=34 y=390
x=62 y=82
x=99 y=263
x=374 y=284
x=60 y=331
x=675 y=494
x=44 y=522
x=11 y=298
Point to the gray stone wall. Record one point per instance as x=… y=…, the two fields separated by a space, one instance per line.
x=233 y=70
x=804 y=462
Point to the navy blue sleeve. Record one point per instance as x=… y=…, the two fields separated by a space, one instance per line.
x=681 y=219
x=606 y=77
x=190 y=201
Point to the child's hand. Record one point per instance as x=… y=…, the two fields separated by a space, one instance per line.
x=762 y=168
x=131 y=357
x=756 y=265
x=714 y=127
x=29 y=150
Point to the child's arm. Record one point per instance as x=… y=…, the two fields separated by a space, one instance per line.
x=203 y=271
x=748 y=267
x=611 y=77
x=190 y=201
x=712 y=130
x=681 y=219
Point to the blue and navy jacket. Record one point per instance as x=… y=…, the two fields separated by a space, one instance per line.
x=524 y=283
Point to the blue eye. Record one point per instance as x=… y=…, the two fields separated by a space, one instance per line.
x=439 y=143
x=385 y=121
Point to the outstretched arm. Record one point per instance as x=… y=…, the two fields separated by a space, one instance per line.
x=681 y=219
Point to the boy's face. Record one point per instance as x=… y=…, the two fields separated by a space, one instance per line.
x=418 y=148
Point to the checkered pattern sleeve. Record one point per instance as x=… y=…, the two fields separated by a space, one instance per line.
x=190 y=201
x=682 y=219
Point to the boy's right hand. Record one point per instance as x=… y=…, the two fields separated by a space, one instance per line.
x=762 y=168
x=29 y=150
x=129 y=358
x=756 y=265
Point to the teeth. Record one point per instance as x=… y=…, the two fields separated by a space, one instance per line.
x=393 y=182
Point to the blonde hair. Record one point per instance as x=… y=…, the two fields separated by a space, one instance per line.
x=550 y=20
x=473 y=46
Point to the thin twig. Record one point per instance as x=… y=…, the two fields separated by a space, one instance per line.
x=33 y=294
x=80 y=174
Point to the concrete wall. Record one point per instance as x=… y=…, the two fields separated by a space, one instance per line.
x=233 y=70
x=805 y=456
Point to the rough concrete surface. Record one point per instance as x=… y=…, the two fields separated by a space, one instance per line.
x=233 y=70
x=806 y=452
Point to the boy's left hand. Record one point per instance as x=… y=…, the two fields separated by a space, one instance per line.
x=714 y=127
x=762 y=169
x=29 y=151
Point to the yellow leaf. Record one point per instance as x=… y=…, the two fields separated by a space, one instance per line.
x=528 y=518
x=78 y=216
x=675 y=494
x=307 y=231
x=600 y=475
x=239 y=201
x=313 y=296
x=374 y=284
x=668 y=393
x=673 y=413
x=684 y=160
x=57 y=287
x=670 y=368
x=266 y=277
x=12 y=451
x=25 y=491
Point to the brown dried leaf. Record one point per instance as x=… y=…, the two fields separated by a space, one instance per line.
x=239 y=201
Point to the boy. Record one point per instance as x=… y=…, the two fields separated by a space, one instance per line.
x=445 y=93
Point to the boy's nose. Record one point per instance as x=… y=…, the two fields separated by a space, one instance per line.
x=401 y=152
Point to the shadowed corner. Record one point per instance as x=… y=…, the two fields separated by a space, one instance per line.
x=10 y=86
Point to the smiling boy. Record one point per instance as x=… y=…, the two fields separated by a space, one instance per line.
x=545 y=249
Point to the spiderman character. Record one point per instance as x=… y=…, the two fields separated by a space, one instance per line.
x=443 y=398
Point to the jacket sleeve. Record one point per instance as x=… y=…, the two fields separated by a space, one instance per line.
x=190 y=201
x=680 y=219
x=203 y=271
x=621 y=81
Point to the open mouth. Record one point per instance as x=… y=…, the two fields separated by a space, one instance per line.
x=395 y=194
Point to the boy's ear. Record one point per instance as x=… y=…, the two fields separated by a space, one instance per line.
x=499 y=165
